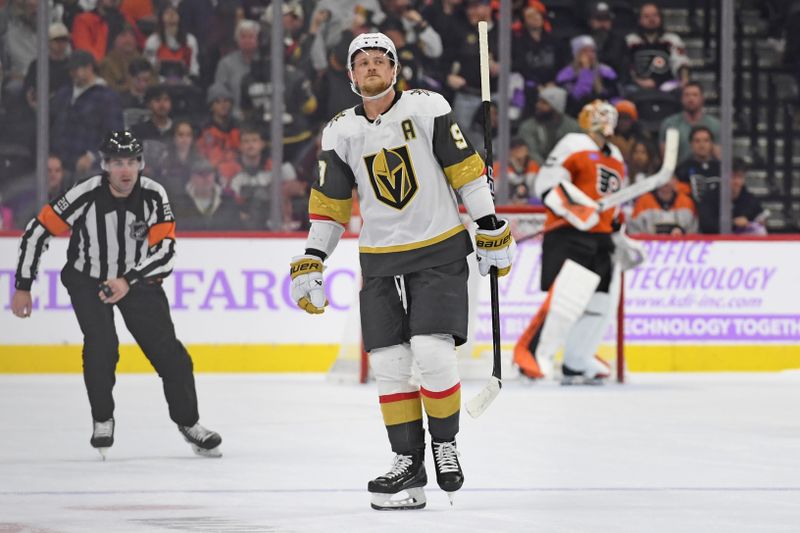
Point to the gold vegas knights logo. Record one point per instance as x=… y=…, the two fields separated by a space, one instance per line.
x=392 y=176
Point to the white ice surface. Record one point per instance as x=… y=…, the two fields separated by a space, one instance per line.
x=664 y=453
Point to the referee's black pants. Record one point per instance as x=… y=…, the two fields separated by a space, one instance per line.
x=146 y=313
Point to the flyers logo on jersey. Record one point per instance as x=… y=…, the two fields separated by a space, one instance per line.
x=608 y=180
x=392 y=177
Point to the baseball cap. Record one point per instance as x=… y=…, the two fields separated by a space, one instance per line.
x=602 y=11
x=57 y=30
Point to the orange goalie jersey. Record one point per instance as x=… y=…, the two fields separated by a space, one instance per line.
x=597 y=172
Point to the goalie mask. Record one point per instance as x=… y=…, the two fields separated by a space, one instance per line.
x=598 y=117
x=378 y=43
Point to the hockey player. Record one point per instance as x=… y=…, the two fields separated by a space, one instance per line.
x=405 y=155
x=577 y=265
x=122 y=246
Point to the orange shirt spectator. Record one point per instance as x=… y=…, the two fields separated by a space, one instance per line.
x=137 y=9
x=219 y=141
x=665 y=211
x=95 y=30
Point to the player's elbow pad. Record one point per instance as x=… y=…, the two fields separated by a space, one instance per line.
x=477 y=198
x=324 y=235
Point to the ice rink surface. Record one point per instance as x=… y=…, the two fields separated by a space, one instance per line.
x=664 y=453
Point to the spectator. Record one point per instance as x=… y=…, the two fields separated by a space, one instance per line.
x=203 y=205
x=417 y=31
x=693 y=114
x=334 y=84
x=115 y=67
x=159 y=126
x=24 y=202
x=252 y=184
x=174 y=169
x=612 y=49
x=522 y=172
x=58 y=50
x=644 y=160
x=700 y=172
x=96 y=30
x=664 y=211
x=219 y=140
x=297 y=42
x=548 y=124
x=69 y=10
x=172 y=43
x=443 y=16
x=232 y=68
x=298 y=99
x=82 y=114
x=536 y=55
x=412 y=72
x=628 y=128
x=459 y=60
x=139 y=11
x=658 y=58
x=19 y=48
x=586 y=79
x=141 y=77
x=748 y=215
x=332 y=17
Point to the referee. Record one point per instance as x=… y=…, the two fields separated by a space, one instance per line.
x=122 y=246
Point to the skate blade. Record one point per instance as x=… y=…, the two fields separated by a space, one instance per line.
x=582 y=380
x=103 y=452
x=202 y=452
x=415 y=499
x=451 y=497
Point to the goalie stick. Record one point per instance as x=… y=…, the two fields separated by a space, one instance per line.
x=630 y=192
x=479 y=404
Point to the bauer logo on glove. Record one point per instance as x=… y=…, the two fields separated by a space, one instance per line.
x=308 y=289
x=495 y=248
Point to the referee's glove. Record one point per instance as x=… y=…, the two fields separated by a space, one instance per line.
x=308 y=290
x=495 y=248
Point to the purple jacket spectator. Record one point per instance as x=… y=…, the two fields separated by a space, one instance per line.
x=586 y=79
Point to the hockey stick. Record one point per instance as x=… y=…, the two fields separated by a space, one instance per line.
x=630 y=192
x=479 y=404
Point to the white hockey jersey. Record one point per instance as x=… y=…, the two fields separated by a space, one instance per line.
x=405 y=165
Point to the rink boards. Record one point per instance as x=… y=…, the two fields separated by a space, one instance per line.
x=696 y=305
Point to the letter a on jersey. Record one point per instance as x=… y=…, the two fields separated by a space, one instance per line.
x=392 y=177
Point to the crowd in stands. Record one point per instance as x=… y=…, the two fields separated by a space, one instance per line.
x=192 y=78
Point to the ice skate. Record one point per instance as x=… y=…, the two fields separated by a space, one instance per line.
x=408 y=476
x=597 y=373
x=103 y=436
x=449 y=475
x=204 y=442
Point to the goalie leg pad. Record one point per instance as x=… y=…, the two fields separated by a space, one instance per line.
x=435 y=357
x=527 y=342
x=571 y=292
x=586 y=334
x=399 y=398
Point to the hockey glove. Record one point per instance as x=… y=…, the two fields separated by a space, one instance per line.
x=495 y=248
x=307 y=285
x=573 y=205
x=628 y=253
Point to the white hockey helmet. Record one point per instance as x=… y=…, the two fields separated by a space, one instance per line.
x=599 y=116
x=367 y=41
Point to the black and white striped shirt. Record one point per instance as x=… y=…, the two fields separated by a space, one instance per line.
x=132 y=237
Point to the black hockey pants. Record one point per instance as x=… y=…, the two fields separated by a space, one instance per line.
x=146 y=313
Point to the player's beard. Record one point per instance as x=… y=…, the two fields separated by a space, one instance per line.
x=374 y=85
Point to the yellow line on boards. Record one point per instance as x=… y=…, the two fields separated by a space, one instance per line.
x=206 y=358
